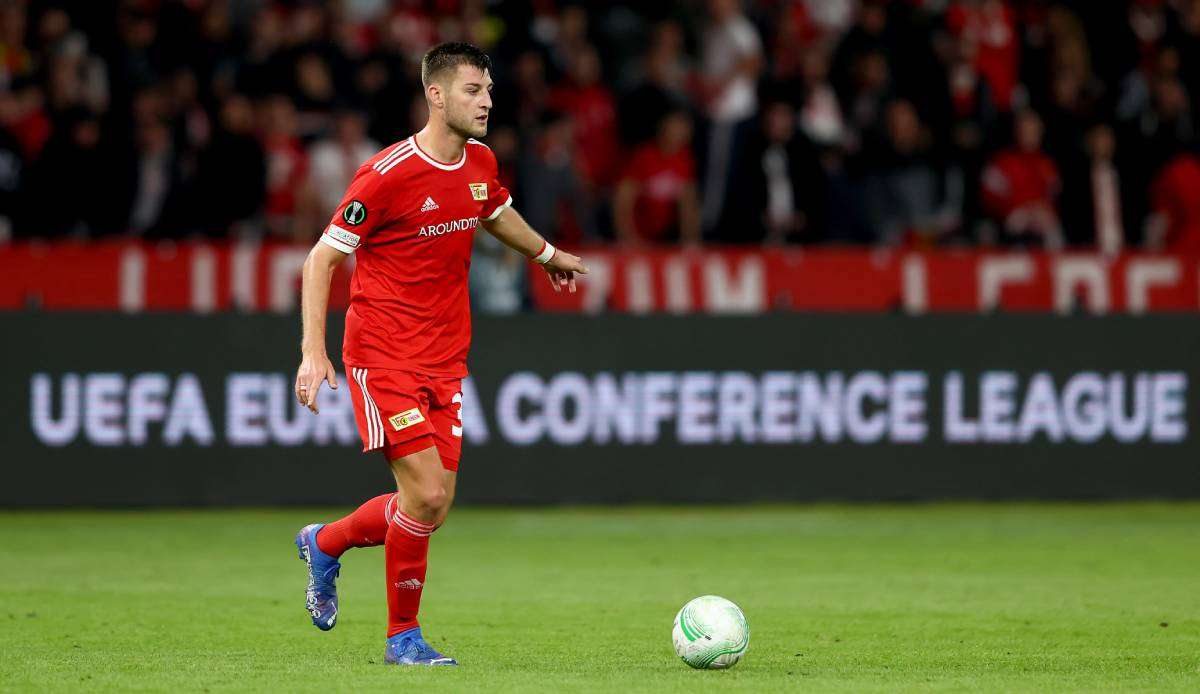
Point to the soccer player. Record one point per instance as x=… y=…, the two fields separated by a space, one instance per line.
x=410 y=214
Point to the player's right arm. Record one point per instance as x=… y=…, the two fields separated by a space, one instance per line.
x=315 y=366
x=362 y=209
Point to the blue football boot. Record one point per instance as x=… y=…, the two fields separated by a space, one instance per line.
x=410 y=648
x=321 y=599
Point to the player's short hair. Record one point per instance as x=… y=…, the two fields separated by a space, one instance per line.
x=448 y=56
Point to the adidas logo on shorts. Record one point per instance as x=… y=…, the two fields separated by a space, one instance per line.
x=429 y=205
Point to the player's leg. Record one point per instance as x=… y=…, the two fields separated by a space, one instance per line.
x=320 y=596
x=449 y=482
x=445 y=421
x=421 y=481
x=364 y=527
x=321 y=545
x=367 y=526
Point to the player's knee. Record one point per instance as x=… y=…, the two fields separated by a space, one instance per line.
x=430 y=502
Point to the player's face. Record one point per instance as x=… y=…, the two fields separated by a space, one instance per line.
x=468 y=101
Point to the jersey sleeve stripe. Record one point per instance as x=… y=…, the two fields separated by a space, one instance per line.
x=398 y=151
x=498 y=210
x=394 y=162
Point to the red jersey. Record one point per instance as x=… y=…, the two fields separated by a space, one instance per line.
x=992 y=28
x=661 y=178
x=1173 y=195
x=1014 y=179
x=595 y=114
x=411 y=222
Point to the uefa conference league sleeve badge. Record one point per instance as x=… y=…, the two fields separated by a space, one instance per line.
x=355 y=213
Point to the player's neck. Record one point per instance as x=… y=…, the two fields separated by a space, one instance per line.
x=440 y=142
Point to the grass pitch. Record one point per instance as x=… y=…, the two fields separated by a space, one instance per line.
x=860 y=598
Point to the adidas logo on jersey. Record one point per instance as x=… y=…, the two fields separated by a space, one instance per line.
x=429 y=205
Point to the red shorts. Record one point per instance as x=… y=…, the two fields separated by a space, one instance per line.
x=403 y=412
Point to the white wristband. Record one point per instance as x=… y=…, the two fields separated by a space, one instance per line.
x=546 y=254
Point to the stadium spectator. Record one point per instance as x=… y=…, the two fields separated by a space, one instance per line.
x=843 y=206
x=1071 y=99
x=869 y=91
x=656 y=199
x=1186 y=35
x=333 y=160
x=990 y=26
x=231 y=173
x=378 y=81
x=1174 y=223
x=12 y=172
x=16 y=60
x=262 y=66
x=569 y=37
x=506 y=145
x=960 y=112
x=731 y=62
x=593 y=111
x=314 y=95
x=1115 y=85
x=906 y=194
x=554 y=195
x=497 y=277
x=784 y=170
x=1168 y=126
x=794 y=38
x=155 y=180
x=1021 y=187
x=867 y=35
x=287 y=165
x=63 y=196
x=1094 y=210
x=820 y=113
x=661 y=86
x=522 y=99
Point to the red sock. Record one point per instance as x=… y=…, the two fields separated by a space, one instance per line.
x=366 y=527
x=405 y=554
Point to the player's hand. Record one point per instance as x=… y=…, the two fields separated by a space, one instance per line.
x=562 y=268
x=314 y=368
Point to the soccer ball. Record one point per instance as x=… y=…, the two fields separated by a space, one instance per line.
x=710 y=633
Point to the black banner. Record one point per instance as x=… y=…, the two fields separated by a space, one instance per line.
x=197 y=410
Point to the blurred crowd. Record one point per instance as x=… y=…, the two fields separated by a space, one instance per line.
x=906 y=122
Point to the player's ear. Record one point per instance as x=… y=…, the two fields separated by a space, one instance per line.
x=434 y=94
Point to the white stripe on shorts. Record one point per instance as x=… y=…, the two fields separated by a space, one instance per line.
x=374 y=421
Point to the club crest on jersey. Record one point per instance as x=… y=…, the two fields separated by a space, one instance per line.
x=478 y=191
x=355 y=213
x=406 y=419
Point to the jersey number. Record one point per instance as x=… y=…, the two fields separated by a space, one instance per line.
x=456 y=429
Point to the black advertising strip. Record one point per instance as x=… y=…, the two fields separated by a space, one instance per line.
x=197 y=410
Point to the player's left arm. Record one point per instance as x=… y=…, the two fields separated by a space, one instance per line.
x=513 y=231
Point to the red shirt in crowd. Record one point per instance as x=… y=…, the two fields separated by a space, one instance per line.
x=661 y=178
x=594 y=113
x=411 y=222
x=992 y=28
x=287 y=169
x=1173 y=195
x=1014 y=179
